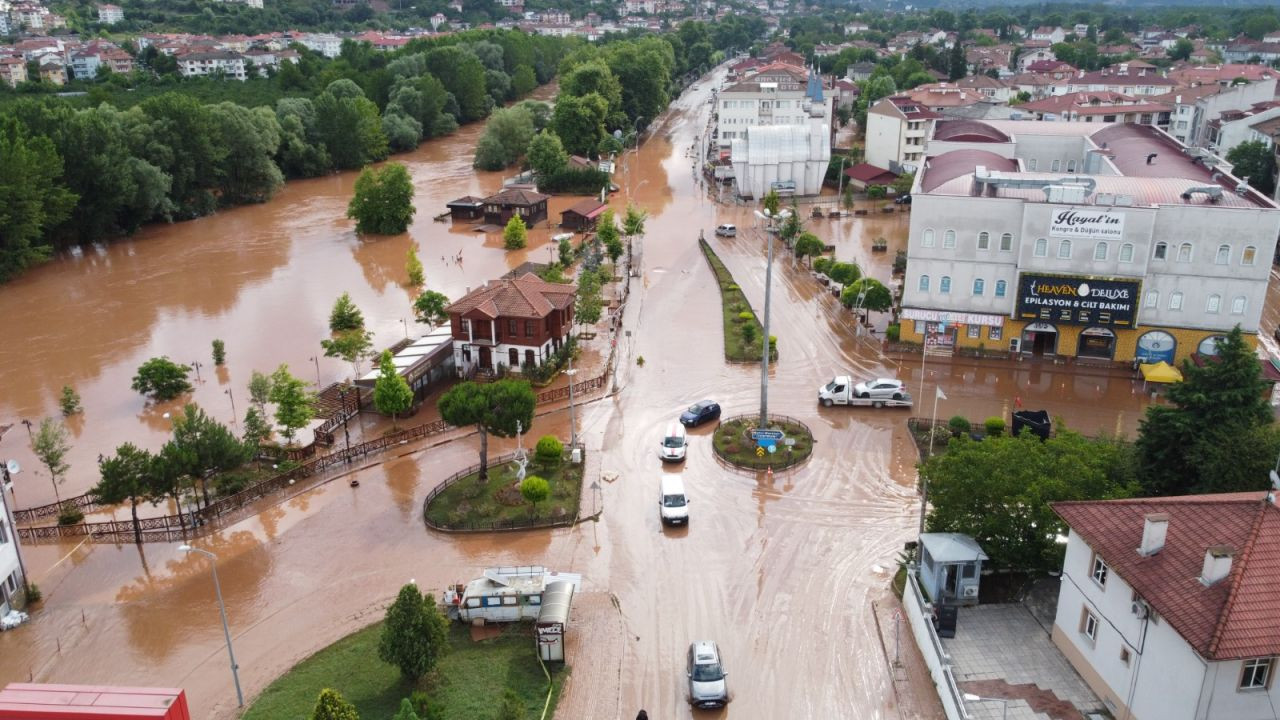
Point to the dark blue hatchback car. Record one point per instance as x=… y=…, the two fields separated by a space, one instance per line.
x=699 y=413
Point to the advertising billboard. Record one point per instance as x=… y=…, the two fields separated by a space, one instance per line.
x=1078 y=224
x=1078 y=300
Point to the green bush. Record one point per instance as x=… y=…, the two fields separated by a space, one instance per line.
x=893 y=332
x=572 y=181
x=34 y=594
x=958 y=425
x=746 y=316
x=900 y=262
x=549 y=451
x=994 y=426
x=877 y=192
x=70 y=516
x=748 y=334
x=822 y=265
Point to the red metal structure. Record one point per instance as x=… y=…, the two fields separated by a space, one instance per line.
x=28 y=701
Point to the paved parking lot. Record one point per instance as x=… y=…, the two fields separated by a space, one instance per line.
x=1000 y=651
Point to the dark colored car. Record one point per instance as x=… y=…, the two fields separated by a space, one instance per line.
x=700 y=413
x=903 y=200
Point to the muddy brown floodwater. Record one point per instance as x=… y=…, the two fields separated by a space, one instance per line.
x=780 y=571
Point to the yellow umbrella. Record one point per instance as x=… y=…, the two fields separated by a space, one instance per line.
x=1161 y=372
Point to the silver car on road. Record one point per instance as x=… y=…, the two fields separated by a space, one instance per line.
x=707 y=685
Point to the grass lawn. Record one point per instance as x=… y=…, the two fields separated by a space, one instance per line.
x=469 y=503
x=738 y=315
x=468 y=682
x=733 y=442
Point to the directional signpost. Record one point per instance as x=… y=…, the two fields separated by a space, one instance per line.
x=767 y=440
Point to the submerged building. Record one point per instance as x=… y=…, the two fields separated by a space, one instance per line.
x=1085 y=240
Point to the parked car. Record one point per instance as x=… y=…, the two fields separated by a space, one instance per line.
x=699 y=413
x=674 y=443
x=726 y=230
x=902 y=200
x=707 y=685
x=880 y=388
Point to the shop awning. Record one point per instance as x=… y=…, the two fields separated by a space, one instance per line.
x=1161 y=372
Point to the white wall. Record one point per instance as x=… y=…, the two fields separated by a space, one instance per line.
x=8 y=549
x=884 y=139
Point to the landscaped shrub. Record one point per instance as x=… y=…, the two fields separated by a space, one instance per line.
x=745 y=316
x=900 y=262
x=958 y=425
x=823 y=265
x=572 y=181
x=876 y=192
x=844 y=273
x=70 y=516
x=893 y=332
x=994 y=426
x=549 y=451
x=748 y=334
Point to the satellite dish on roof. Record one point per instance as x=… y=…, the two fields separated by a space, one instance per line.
x=13 y=467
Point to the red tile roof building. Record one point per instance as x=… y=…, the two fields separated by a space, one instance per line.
x=514 y=322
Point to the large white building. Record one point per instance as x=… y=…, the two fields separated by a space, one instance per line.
x=1170 y=607
x=896 y=129
x=215 y=62
x=1094 y=241
x=790 y=158
x=776 y=94
x=12 y=583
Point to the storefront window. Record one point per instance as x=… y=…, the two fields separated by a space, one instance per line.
x=1209 y=346
x=995 y=333
x=1156 y=346
x=975 y=332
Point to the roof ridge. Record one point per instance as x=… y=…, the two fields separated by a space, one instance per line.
x=1236 y=579
x=1243 y=497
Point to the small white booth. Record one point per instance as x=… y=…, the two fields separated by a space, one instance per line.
x=553 y=620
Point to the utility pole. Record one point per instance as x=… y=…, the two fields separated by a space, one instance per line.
x=768 y=289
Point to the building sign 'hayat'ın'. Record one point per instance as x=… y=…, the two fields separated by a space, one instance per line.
x=1078 y=300
x=1086 y=224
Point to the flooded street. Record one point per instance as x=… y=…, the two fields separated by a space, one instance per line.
x=780 y=571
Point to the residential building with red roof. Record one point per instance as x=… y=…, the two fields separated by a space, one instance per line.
x=1233 y=127
x=1102 y=106
x=13 y=70
x=896 y=131
x=1170 y=607
x=516 y=322
x=1127 y=78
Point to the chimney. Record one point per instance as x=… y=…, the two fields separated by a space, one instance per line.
x=1154 y=528
x=1217 y=564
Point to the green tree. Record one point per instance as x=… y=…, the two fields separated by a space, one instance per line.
x=219 y=352
x=345 y=315
x=515 y=236
x=302 y=152
x=350 y=345
x=249 y=139
x=535 y=490
x=845 y=273
x=294 y=405
x=414 y=634
x=429 y=308
x=162 y=379
x=127 y=475
x=546 y=154
x=807 y=246
x=549 y=451
x=413 y=267
x=957 y=66
x=523 y=81
x=260 y=390
x=406 y=711
x=70 y=401
x=877 y=297
x=1254 y=161
x=593 y=77
x=495 y=408
x=505 y=139
x=999 y=490
x=565 y=251
x=332 y=706
x=349 y=126
x=771 y=203
x=256 y=429
x=902 y=184
x=50 y=446
x=579 y=122
x=463 y=76
x=391 y=394
x=205 y=445
x=181 y=140
x=633 y=222
x=607 y=234
x=1182 y=49
x=1218 y=413
x=32 y=198
x=589 y=304
x=383 y=200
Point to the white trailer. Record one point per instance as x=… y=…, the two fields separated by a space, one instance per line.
x=504 y=594
x=840 y=391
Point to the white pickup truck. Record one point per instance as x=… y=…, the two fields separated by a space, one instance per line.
x=884 y=392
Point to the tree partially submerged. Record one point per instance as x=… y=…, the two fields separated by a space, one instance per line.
x=294 y=405
x=383 y=200
x=391 y=394
x=496 y=408
x=128 y=476
x=162 y=379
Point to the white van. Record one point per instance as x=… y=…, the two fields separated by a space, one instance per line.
x=673 y=504
x=674 y=443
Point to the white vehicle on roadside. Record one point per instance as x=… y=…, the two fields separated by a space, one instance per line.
x=883 y=392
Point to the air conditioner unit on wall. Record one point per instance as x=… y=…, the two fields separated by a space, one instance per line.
x=971 y=591
x=1139 y=608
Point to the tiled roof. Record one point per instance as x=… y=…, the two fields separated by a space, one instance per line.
x=517 y=197
x=587 y=208
x=1237 y=617
x=868 y=173
x=527 y=296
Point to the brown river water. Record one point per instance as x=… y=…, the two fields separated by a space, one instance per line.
x=782 y=571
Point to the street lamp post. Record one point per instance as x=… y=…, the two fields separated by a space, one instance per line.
x=924 y=481
x=343 y=390
x=196 y=364
x=768 y=287
x=233 y=404
x=213 y=563
x=316 y=359
x=31 y=438
x=573 y=425
x=1004 y=702
x=405 y=323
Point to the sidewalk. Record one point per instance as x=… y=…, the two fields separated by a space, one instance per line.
x=594 y=648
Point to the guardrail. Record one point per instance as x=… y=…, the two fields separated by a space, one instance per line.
x=919 y=617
